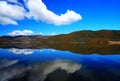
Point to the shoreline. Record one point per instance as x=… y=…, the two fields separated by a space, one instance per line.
x=114 y=42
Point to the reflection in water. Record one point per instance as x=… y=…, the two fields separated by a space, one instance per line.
x=87 y=48
x=46 y=68
x=49 y=64
x=26 y=51
x=11 y=72
x=5 y=63
x=80 y=48
x=52 y=50
x=21 y=51
x=36 y=72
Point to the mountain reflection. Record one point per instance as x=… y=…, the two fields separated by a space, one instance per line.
x=60 y=62
x=57 y=65
x=87 y=48
x=72 y=47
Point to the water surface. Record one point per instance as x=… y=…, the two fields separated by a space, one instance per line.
x=58 y=64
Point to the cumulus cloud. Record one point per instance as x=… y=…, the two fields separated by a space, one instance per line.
x=39 y=11
x=19 y=32
x=21 y=51
x=9 y=13
x=6 y=20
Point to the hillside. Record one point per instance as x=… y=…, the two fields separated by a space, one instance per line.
x=102 y=36
x=85 y=36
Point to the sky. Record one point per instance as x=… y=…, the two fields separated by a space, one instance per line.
x=51 y=17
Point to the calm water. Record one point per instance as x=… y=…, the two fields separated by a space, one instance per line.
x=57 y=65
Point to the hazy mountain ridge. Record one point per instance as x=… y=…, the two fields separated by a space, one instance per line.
x=21 y=38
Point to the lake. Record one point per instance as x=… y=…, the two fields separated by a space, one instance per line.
x=60 y=63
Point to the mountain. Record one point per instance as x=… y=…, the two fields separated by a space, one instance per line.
x=85 y=36
x=21 y=38
x=102 y=36
x=22 y=41
x=85 y=42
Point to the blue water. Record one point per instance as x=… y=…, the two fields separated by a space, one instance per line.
x=92 y=67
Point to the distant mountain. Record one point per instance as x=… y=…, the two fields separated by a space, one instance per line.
x=21 y=38
x=101 y=36
x=85 y=36
x=85 y=42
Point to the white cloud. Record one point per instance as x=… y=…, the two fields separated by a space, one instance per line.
x=10 y=13
x=6 y=20
x=39 y=11
x=18 y=32
x=21 y=51
x=40 y=33
x=53 y=33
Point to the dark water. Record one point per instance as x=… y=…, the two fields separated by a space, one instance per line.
x=60 y=64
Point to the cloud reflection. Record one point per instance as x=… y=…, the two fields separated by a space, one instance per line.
x=52 y=50
x=37 y=72
x=7 y=70
x=6 y=63
x=49 y=67
x=21 y=51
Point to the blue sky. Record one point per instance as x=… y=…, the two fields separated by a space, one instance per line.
x=81 y=15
